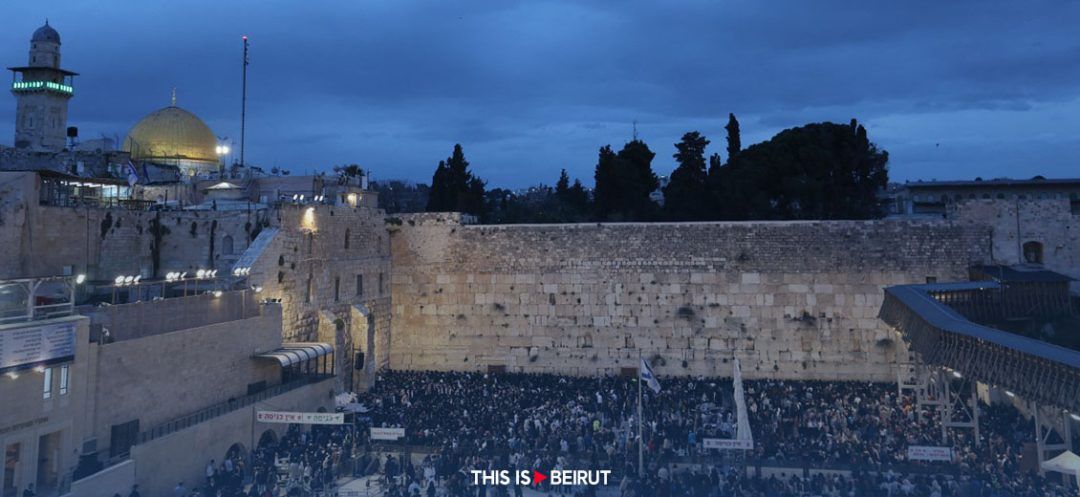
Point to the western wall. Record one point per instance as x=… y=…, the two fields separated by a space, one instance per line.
x=790 y=299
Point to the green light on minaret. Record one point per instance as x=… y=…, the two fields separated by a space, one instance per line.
x=27 y=86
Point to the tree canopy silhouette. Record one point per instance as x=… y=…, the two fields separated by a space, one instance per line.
x=624 y=182
x=454 y=188
x=817 y=171
x=685 y=196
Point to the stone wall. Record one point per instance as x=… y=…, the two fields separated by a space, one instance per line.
x=104 y=243
x=182 y=456
x=144 y=319
x=311 y=268
x=791 y=299
x=180 y=372
x=14 y=187
x=309 y=246
x=1050 y=222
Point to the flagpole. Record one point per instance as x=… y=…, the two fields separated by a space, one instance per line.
x=243 y=101
x=641 y=440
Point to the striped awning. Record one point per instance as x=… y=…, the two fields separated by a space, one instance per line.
x=299 y=352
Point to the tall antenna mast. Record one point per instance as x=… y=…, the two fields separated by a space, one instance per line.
x=635 y=129
x=243 y=102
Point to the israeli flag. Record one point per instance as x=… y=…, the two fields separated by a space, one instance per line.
x=132 y=175
x=648 y=377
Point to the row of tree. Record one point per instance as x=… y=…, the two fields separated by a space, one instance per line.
x=817 y=171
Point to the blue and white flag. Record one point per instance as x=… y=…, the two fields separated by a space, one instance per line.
x=132 y=175
x=648 y=377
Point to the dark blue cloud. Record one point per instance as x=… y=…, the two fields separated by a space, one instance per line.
x=951 y=89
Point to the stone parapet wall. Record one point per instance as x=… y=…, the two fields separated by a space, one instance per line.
x=790 y=299
x=181 y=372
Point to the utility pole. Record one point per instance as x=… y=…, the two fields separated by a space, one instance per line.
x=243 y=101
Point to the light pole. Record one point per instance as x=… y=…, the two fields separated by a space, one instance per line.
x=223 y=150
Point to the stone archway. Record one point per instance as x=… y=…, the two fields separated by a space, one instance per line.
x=269 y=438
x=236 y=452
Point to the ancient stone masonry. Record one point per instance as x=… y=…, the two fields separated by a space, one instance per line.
x=322 y=280
x=1052 y=225
x=790 y=299
x=103 y=243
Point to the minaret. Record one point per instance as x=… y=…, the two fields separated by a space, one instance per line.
x=42 y=90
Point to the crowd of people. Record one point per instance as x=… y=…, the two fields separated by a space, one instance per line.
x=535 y=421
x=300 y=463
x=835 y=439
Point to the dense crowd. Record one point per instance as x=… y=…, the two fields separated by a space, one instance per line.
x=715 y=483
x=300 y=463
x=533 y=421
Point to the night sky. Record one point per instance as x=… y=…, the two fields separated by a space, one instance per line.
x=953 y=90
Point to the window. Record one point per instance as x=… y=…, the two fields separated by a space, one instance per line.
x=46 y=391
x=359 y=285
x=346 y=238
x=121 y=437
x=307 y=289
x=337 y=288
x=227 y=245
x=381 y=290
x=931 y=279
x=65 y=379
x=1033 y=253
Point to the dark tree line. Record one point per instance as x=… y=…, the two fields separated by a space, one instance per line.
x=817 y=171
x=454 y=188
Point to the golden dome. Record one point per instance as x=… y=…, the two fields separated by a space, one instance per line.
x=171 y=134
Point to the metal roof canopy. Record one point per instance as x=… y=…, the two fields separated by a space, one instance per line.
x=947 y=319
x=1036 y=369
x=296 y=353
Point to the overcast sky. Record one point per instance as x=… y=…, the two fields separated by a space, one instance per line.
x=952 y=90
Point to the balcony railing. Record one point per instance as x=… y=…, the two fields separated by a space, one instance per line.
x=225 y=408
x=36 y=299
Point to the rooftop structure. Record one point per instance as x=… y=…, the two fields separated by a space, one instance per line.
x=932 y=197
